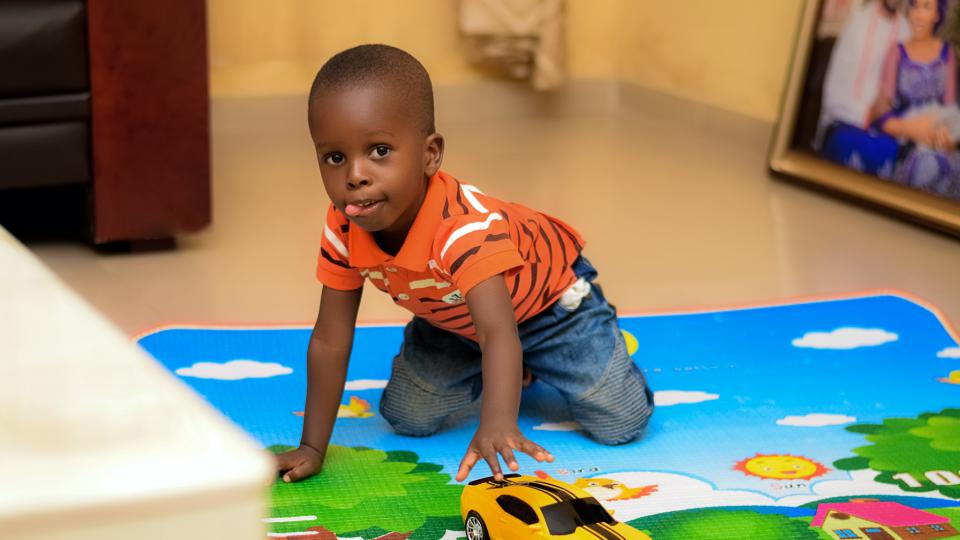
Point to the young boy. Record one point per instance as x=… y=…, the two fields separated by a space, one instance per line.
x=495 y=288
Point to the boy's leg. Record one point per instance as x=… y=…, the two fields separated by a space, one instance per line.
x=582 y=354
x=618 y=407
x=436 y=374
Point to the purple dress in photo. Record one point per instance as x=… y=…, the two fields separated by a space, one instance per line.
x=926 y=88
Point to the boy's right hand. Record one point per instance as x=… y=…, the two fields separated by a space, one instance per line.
x=500 y=439
x=300 y=463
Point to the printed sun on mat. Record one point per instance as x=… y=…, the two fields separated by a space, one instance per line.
x=822 y=419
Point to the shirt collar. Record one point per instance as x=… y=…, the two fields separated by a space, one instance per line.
x=417 y=247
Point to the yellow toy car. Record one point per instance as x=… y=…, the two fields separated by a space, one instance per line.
x=521 y=507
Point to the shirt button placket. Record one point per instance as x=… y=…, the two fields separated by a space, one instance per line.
x=388 y=271
x=400 y=285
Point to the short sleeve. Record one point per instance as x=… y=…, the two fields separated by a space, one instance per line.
x=473 y=248
x=333 y=263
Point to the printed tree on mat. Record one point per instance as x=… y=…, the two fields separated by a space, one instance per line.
x=918 y=454
x=366 y=492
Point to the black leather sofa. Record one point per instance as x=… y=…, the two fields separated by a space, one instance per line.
x=104 y=118
x=44 y=114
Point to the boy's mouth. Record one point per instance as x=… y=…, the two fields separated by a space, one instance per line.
x=362 y=208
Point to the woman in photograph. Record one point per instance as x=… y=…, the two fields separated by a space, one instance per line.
x=917 y=103
x=851 y=86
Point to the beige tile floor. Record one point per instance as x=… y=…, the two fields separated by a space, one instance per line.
x=673 y=198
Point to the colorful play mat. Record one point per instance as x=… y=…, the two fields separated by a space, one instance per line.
x=833 y=418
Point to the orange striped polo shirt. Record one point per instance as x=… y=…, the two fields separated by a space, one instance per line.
x=459 y=238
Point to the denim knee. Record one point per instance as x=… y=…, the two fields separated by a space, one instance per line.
x=619 y=426
x=400 y=406
x=618 y=408
x=414 y=410
x=406 y=422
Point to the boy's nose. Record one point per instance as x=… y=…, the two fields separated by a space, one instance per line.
x=357 y=182
x=357 y=177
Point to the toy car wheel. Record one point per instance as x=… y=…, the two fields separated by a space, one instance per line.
x=475 y=528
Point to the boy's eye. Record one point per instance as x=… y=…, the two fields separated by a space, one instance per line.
x=380 y=151
x=334 y=159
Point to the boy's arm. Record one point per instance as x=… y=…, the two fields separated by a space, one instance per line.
x=492 y=312
x=327 y=356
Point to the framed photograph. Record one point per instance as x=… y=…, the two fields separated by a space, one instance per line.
x=870 y=107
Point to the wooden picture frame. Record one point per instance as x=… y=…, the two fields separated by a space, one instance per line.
x=793 y=154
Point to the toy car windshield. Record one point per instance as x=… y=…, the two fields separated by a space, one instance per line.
x=564 y=517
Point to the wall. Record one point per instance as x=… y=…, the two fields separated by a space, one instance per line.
x=732 y=53
x=267 y=48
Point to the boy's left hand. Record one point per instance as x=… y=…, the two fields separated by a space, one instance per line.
x=492 y=441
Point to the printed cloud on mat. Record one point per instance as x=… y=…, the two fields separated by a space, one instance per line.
x=845 y=338
x=234 y=370
x=365 y=384
x=816 y=420
x=665 y=398
x=949 y=352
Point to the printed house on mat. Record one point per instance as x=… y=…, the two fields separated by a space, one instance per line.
x=869 y=518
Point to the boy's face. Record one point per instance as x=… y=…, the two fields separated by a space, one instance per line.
x=374 y=157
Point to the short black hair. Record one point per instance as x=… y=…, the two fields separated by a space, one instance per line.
x=380 y=65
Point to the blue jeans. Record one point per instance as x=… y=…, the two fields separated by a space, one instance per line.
x=872 y=152
x=581 y=353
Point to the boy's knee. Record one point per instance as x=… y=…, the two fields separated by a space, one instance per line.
x=415 y=411
x=619 y=428
x=405 y=416
x=618 y=411
x=410 y=427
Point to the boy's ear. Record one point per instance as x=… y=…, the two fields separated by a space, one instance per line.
x=432 y=154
